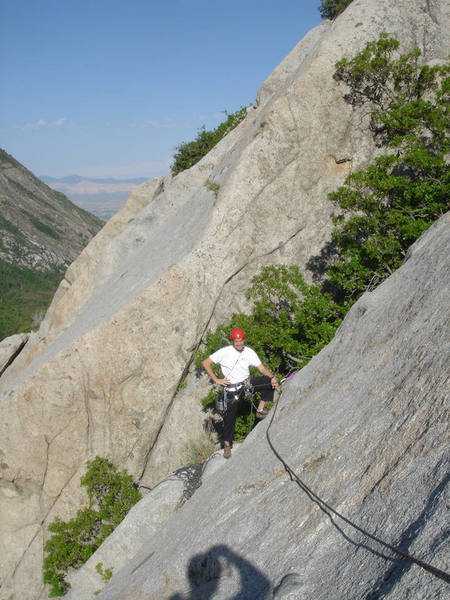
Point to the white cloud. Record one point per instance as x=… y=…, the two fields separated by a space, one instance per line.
x=43 y=124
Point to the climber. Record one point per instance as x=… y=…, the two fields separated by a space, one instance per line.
x=235 y=361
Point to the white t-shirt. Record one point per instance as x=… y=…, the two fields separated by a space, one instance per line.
x=235 y=365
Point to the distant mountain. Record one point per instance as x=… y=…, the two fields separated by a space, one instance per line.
x=102 y=197
x=41 y=234
x=78 y=178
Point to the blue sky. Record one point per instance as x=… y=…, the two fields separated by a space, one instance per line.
x=107 y=88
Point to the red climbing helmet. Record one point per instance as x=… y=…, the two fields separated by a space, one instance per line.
x=237 y=334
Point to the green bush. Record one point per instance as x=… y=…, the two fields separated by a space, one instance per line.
x=386 y=207
x=330 y=9
x=105 y=573
x=189 y=153
x=111 y=494
x=209 y=401
x=245 y=422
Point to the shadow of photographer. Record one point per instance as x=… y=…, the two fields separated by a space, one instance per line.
x=206 y=570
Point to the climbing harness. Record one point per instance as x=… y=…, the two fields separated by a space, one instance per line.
x=229 y=394
x=233 y=393
x=327 y=509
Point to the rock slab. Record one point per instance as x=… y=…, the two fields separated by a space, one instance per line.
x=364 y=427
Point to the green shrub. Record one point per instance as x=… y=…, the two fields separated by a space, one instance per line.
x=330 y=9
x=189 y=153
x=111 y=494
x=209 y=401
x=105 y=573
x=244 y=423
x=214 y=187
x=182 y=385
x=44 y=228
x=386 y=207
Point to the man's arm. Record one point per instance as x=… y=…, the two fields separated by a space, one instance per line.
x=265 y=371
x=207 y=365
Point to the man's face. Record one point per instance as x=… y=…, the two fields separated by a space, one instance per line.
x=238 y=343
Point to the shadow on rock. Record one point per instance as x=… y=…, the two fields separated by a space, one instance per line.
x=319 y=264
x=206 y=571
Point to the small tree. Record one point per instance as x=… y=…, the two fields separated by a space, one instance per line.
x=386 y=207
x=330 y=9
x=189 y=153
x=111 y=494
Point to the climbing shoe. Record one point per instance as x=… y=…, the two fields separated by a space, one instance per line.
x=226 y=451
x=261 y=414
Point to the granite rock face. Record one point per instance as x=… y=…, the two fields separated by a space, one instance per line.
x=364 y=427
x=102 y=375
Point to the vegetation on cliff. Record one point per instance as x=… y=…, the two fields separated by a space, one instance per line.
x=386 y=207
x=330 y=9
x=111 y=494
x=189 y=153
x=383 y=210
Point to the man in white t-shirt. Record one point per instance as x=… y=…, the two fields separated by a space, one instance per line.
x=235 y=361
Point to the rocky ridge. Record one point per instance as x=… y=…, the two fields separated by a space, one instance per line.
x=40 y=228
x=102 y=375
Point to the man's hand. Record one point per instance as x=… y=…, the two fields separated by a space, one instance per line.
x=224 y=382
x=275 y=384
x=265 y=371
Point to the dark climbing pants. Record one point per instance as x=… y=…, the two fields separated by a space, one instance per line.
x=263 y=386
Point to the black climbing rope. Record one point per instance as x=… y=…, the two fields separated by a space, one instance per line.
x=326 y=507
